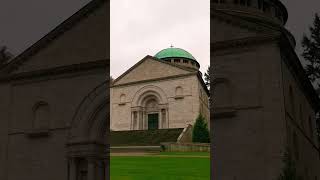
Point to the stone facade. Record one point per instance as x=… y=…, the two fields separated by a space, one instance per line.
x=176 y=95
x=263 y=101
x=54 y=103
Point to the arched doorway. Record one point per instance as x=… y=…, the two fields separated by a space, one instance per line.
x=151 y=106
x=87 y=150
x=149 y=109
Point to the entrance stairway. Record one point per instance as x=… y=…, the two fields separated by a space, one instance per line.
x=142 y=140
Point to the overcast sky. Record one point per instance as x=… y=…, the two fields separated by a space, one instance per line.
x=138 y=27
x=144 y=27
x=301 y=13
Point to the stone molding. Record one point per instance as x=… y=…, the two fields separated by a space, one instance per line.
x=57 y=71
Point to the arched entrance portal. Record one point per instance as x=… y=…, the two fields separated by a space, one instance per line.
x=87 y=148
x=149 y=109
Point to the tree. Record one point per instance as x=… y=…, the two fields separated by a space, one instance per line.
x=311 y=50
x=289 y=171
x=311 y=53
x=5 y=55
x=207 y=77
x=200 y=131
x=111 y=80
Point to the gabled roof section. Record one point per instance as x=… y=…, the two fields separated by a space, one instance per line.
x=54 y=34
x=177 y=69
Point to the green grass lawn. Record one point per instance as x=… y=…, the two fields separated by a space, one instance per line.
x=167 y=167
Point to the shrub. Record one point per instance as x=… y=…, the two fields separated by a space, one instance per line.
x=200 y=131
x=289 y=169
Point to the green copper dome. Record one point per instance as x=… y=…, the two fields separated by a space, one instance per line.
x=174 y=53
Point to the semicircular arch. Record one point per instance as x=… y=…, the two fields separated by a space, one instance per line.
x=90 y=122
x=146 y=91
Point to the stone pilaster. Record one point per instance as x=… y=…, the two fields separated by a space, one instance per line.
x=73 y=169
x=91 y=169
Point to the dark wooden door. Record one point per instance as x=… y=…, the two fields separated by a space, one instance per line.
x=153 y=121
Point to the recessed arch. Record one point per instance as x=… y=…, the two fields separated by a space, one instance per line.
x=91 y=118
x=149 y=90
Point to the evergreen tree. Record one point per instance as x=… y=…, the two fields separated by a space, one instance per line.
x=311 y=53
x=200 y=131
x=5 y=55
x=207 y=77
x=111 y=80
x=289 y=171
x=311 y=50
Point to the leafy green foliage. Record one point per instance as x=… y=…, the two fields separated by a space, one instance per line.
x=311 y=50
x=289 y=169
x=207 y=77
x=5 y=55
x=311 y=53
x=200 y=130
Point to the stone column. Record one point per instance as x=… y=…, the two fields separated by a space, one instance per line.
x=160 y=119
x=164 y=117
x=91 y=169
x=145 y=119
x=132 y=120
x=101 y=170
x=140 y=119
x=106 y=169
x=167 y=119
x=73 y=169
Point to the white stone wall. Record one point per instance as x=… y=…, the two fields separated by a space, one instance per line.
x=181 y=111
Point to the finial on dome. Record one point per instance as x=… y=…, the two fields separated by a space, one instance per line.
x=171 y=46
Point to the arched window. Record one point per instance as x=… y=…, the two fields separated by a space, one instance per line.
x=179 y=91
x=41 y=115
x=122 y=98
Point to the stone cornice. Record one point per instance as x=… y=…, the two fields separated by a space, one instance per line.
x=243 y=42
x=157 y=79
x=100 y=64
